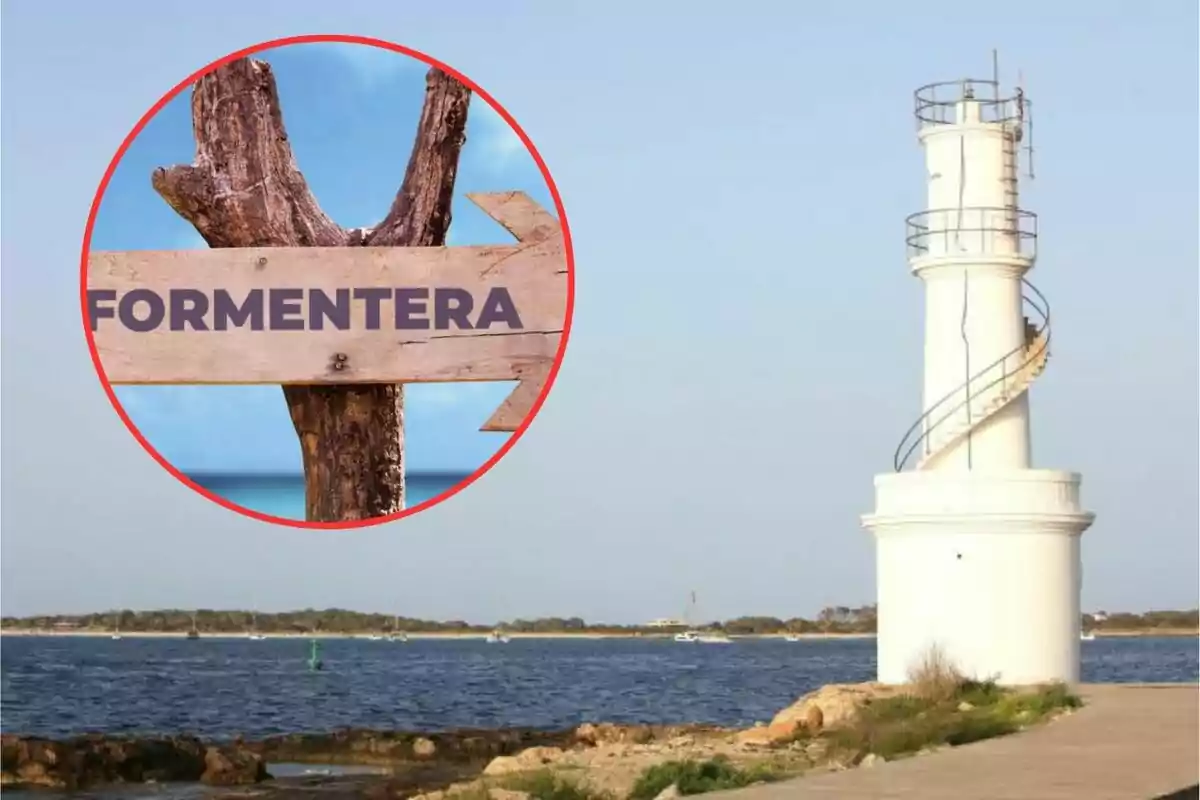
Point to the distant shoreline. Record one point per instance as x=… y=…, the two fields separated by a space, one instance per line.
x=412 y=635
x=476 y=636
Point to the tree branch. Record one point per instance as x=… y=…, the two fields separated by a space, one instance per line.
x=244 y=189
x=420 y=214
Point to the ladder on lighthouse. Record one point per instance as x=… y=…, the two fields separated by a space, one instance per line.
x=1009 y=178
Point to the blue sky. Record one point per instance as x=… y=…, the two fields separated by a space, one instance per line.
x=747 y=341
x=350 y=111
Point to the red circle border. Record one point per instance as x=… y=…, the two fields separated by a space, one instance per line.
x=567 y=248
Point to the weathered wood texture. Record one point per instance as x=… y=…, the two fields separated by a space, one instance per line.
x=245 y=190
x=533 y=272
x=518 y=405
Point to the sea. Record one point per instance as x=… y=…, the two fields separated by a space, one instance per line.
x=222 y=687
x=283 y=495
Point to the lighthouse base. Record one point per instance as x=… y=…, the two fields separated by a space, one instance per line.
x=981 y=568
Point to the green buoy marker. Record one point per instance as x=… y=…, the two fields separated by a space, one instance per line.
x=314 y=656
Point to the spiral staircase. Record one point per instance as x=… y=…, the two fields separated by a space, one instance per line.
x=986 y=392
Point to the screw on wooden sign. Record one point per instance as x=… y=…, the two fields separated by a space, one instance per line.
x=340 y=315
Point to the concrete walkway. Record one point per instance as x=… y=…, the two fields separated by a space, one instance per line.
x=1131 y=742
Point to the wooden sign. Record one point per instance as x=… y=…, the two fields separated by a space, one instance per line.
x=340 y=315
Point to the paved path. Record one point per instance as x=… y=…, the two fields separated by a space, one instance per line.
x=1133 y=742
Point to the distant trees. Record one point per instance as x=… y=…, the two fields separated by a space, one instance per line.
x=547 y=625
x=1161 y=620
x=835 y=619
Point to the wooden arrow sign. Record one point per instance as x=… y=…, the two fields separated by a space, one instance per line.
x=340 y=315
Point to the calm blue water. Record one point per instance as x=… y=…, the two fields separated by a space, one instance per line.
x=222 y=687
x=283 y=495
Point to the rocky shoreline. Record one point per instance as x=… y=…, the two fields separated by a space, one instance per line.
x=97 y=760
x=836 y=727
x=422 y=761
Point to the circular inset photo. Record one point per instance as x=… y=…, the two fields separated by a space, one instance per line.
x=327 y=281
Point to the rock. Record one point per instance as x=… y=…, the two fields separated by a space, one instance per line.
x=588 y=734
x=782 y=730
x=785 y=730
x=539 y=756
x=87 y=761
x=669 y=793
x=503 y=765
x=965 y=706
x=872 y=760
x=525 y=761
x=816 y=750
x=682 y=741
x=835 y=705
x=639 y=734
x=231 y=766
x=508 y=794
x=592 y=734
x=34 y=773
x=754 y=737
x=814 y=718
x=385 y=748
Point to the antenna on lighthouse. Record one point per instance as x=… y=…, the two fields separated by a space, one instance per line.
x=996 y=75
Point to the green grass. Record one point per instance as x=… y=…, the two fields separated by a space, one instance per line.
x=547 y=785
x=895 y=727
x=940 y=709
x=698 y=777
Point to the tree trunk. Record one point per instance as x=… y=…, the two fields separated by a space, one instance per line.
x=245 y=190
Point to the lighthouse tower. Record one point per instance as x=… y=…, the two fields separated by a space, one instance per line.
x=977 y=551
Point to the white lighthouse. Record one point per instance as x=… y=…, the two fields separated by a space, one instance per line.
x=977 y=551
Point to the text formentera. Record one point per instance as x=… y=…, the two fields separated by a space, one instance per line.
x=279 y=309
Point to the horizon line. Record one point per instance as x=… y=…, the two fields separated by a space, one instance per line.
x=852 y=611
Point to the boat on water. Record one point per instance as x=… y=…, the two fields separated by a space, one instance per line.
x=253 y=634
x=791 y=637
x=194 y=633
x=692 y=635
x=703 y=637
x=375 y=637
x=116 y=632
x=398 y=637
x=1087 y=636
x=497 y=637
